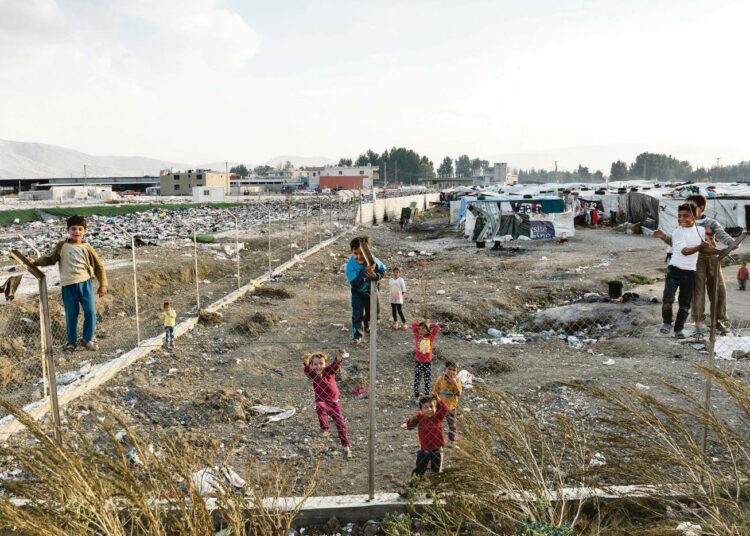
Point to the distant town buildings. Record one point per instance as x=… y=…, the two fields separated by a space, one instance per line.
x=498 y=173
x=289 y=179
x=182 y=182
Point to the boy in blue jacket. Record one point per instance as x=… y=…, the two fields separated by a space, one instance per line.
x=359 y=276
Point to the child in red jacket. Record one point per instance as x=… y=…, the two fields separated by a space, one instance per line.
x=429 y=424
x=742 y=275
x=424 y=337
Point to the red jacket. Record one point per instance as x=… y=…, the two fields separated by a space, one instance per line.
x=430 y=429
x=424 y=344
x=742 y=273
x=324 y=386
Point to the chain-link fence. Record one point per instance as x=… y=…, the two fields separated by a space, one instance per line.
x=205 y=255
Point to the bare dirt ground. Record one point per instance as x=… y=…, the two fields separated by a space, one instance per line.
x=207 y=385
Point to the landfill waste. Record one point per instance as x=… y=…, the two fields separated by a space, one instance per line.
x=598 y=460
x=642 y=387
x=158 y=226
x=608 y=362
x=495 y=333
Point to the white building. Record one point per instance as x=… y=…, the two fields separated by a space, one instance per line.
x=69 y=192
x=208 y=194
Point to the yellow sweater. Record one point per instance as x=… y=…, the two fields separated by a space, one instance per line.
x=447 y=392
x=168 y=318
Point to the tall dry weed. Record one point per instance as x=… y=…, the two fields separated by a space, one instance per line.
x=82 y=488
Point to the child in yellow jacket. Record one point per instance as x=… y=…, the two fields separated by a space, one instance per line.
x=168 y=316
x=448 y=389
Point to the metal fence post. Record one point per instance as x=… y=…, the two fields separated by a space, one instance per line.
x=270 y=269
x=237 y=245
x=320 y=221
x=289 y=229
x=711 y=348
x=307 y=226
x=48 y=365
x=135 y=284
x=197 y=285
x=373 y=379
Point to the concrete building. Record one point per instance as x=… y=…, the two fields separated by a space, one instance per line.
x=182 y=182
x=348 y=178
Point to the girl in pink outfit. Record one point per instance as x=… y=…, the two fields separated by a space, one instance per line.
x=424 y=337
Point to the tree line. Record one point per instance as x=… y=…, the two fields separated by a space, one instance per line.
x=406 y=166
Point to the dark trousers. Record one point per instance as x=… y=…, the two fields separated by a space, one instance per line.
x=682 y=280
x=361 y=312
x=740 y=281
x=168 y=334
x=422 y=370
x=428 y=458
x=396 y=308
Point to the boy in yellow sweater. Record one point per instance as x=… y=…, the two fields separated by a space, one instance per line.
x=448 y=389
x=168 y=316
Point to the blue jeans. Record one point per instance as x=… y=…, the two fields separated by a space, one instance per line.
x=76 y=296
x=168 y=334
x=682 y=280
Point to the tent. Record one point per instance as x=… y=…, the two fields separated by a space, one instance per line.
x=533 y=217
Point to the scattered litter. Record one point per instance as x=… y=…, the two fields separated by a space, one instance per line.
x=466 y=378
x=273 y=414
x=120 y=435
x=133 y=457
x=359 y=392
x=608 y=362
x=698 y=346
x=440 y=292
x=598 y=460
x=642 y=387
x=495 y=333
x=689 y=529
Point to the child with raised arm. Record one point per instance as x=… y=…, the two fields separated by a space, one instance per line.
x=687 y=241
x=429 y=424
x=78 y=263
x=327 y=394
x=168 y=315
x=396 y=290
x=424 y=337
x=360 y=277
x=448 y=389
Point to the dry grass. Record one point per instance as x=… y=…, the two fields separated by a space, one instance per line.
x=509 y=477
x=83 y=489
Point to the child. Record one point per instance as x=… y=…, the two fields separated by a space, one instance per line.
x=397 y=288
x=429 y=424
x=742 y=275
x=327 y=394
x=78 y=262
x=687 y=241
x=360 y=276
x=424 y=337
x=448 y=389
x=168 y=316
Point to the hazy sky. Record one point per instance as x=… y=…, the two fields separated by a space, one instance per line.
x=207 y=80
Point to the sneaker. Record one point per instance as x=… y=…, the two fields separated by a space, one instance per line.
x=679 y=334
x=367 y=328
x=395 y=325
x=347 y=452
x=91 y=346
x=404 y=327
x=665 y=328
x=451 y=436
x=357 y=340
x=69 y=348
x=325 y=433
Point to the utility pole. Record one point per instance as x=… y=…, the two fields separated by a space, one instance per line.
x=396 y=174
x=385 y=176
x=85 y=177
x=718 y=167
x=557 y=178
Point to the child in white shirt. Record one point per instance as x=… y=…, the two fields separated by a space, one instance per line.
x=396 y=290
x=687 y=240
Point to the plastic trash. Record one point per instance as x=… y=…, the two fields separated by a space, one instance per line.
x=598 y=460
x=466 y=378
x=495 y=333
x=608 y=362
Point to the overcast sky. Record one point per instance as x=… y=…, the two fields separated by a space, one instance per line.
x=207 y=80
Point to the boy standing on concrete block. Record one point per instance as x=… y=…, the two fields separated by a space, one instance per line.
x=78 y=263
